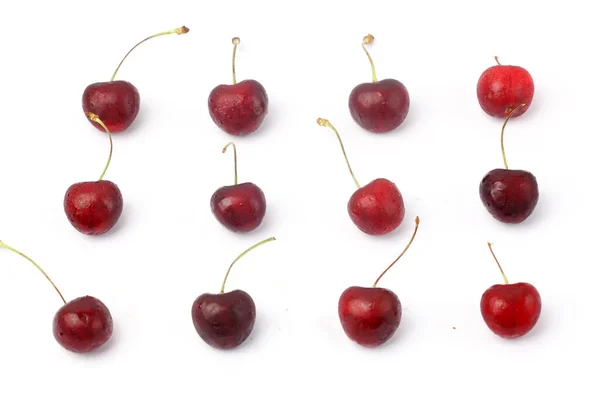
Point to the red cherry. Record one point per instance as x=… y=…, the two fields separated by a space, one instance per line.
x=510 y=310
x=117 y=103
x=376 y=208
x=370 y=315
x=238 y=109
x=378 y=106
x=502 y=88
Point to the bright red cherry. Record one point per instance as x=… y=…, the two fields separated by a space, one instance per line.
x=81 y=325
x=117 y=103
x=370 y=315
x=510 y=310
x=376 y=208
x=238 y=109
x=502 y=88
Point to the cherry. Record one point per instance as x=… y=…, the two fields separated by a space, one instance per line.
x=510 y=195
x=510 y=310
x=93 y=208
x=225 y=320
x=501 y=88
x=117 y=103
x=370 y=315
x=240 y=207
x=81 y=325
x=376 y=208
x=378 y=106
x=238 y=109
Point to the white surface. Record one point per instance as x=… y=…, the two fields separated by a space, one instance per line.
x=168 y=248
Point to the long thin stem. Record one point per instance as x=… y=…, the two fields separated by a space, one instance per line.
x=502 y=134
x=366 y=40
x=324 y=122
x=235 y=41
x=7 y=247
x=235 y=180
x=498 y=262
x=96 y=119
x=242 y=255
x=180 y=31
x=417 y=221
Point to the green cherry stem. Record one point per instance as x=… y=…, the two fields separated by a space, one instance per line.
x=366 y=40
x=498 y=263
x=242 y=255
x=94 y=117
x=235 y=41
x=235 y=174
x=324 y=122
x=417 y=222
x=502 y=134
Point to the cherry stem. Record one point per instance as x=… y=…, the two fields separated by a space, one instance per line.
x=240 y=256
x=324 y=122
x=7 y=247
x=235 y=41
x=366 y=40
x=497 y=262
x=235 y=180
x=180 y=31
x=417 y=221
x=95 y=118
x=497 y=61
x=502 y=134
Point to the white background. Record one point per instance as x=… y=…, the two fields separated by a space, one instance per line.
x=167 y=248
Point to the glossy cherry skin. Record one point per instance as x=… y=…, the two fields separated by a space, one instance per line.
x=239 y=109
x=116 y=103
x=239 y=208
x=379 y=106
x=369 y=316
x=377 y=208
x=512 y=310
x=502 y=88
x=510 y=195
x=93 y=208
x=224 y=320
x=82 y=325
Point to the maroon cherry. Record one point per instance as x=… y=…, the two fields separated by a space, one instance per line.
x=81 y=325
x=370 y=315
x=240 y=207
x=378 y=106
x=117 y=102
x=510 y=310
x=238 y=109
x=376 y=208
x=225 y=320
x=510 y=195
x=93 y=208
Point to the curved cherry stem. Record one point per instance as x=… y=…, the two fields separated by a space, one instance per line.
x=235 y=180
x=497 y=61
x=235 y=41
x=7 y=247
x=366 y=40
x=324 y=122
x=498 y=262
x=417 y=222
x=180 y=31
x=502 y=134
x=95 y=118
x=242 y=255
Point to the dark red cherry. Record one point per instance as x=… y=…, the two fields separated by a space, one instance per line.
x=93 y=208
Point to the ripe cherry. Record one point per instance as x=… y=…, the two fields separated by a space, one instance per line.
x=510 y=310
x=238 y=109
x=225 y=320
x=502 y=88
x=370 y=315
x=117 y=103
x=93 y=208
x=378 y=106
x=376 y=208
x=81 y=325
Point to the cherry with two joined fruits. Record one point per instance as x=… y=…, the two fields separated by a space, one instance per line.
x=371 y=315
x=117 y=103
x=239 y=207
x=502 y=88
x=509 y=195
x=225 y=320
x=94 y=207
x=378 y=106
x=238 y=109
x=376 y=208
x=510 y=310
x=80 y=325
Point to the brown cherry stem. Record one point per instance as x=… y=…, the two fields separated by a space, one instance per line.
x=240 y=256
x=7 y=247
x=180 y=31
x=417 y=222
x=235 y=180
x=324 y=122
x=366 y=40
x=235 y=41
x=502 y=134
x=95 y=118
x=497 y=61
x=497 y=262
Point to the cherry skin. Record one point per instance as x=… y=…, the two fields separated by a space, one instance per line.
x=510 y=196
x=377 y=208
x=117 y=103
x=93 y=208
x=240 y=208
x=379 y=107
